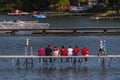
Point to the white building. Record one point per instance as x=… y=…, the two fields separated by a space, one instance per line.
x=92 y=2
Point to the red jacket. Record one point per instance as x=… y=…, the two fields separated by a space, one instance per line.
x=84 y=51
x=63 y=52
x=76 y=51
x=55 y=49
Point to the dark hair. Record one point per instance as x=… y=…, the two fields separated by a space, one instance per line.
x=69 y=46
x=62 y=46
x=76 y=46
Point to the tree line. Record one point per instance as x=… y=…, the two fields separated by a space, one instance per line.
x=31 y=5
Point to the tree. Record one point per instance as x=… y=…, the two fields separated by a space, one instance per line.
x=115 y=4
x=74 y=2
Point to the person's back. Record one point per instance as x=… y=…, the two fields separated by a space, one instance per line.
x=76 y=51
x=70 y=51
x=56 y=51
x=104 y=48
x=85 y=51
x=40 y=51
x=48 y=51
x=63 y=51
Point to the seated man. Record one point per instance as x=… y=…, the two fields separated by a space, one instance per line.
x=85 y=52
x=76 y=51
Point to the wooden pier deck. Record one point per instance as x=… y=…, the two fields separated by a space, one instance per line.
x=66 y=31
x=35 y=56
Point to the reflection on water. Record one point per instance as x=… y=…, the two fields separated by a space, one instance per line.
x=85 y=71
x=62 y=74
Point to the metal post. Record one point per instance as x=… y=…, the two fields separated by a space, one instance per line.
x=31 y=51
x=18 y=63
x=103 y=63
x=32 y=62
x=26 y=63
x=99 y=62
x=13 y=32
x=13 y=62
x=74 y=31
x=105 y=31
x=43 y=32
x=26 y=50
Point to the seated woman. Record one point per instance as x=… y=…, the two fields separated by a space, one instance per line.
x=55 y=51
x=40 y=52
x=70 y=51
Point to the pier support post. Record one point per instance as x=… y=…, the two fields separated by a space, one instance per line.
x=43 y=32
x=104 y=31
x=18 y=63
x=13 y=32
x=31 y=62
x=74 y=31
x=26 y=63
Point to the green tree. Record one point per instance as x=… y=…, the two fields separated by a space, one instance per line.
x=74 y=2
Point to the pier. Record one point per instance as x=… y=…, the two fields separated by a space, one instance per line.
x=105 y=16
x=49 y=14
x=80 y=31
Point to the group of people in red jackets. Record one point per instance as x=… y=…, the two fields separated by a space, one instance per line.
x=48 y=51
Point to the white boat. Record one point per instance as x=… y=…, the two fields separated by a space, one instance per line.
x=17 y=12
x=37 y=16
x=23 y=25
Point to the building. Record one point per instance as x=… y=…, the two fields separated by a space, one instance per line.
x=92 y=2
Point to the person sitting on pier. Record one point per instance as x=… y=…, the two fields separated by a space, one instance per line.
x=76 y=51
x=85 y=52
x=55 y=51
x=48 y=52
x=70 y=51
x=63 y=51
x=40 y=52
x=104 y=48
x=100 y=49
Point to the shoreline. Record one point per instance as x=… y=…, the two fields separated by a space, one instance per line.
x=49 y=14
x=58 y=14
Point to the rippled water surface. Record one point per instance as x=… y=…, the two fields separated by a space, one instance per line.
x=90 y=70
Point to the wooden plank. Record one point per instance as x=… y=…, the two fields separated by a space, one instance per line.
x=35 y=56
x=69 y=31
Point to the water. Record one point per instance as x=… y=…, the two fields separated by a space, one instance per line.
x=15 y=45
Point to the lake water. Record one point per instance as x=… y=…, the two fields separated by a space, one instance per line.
x=15 y=45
